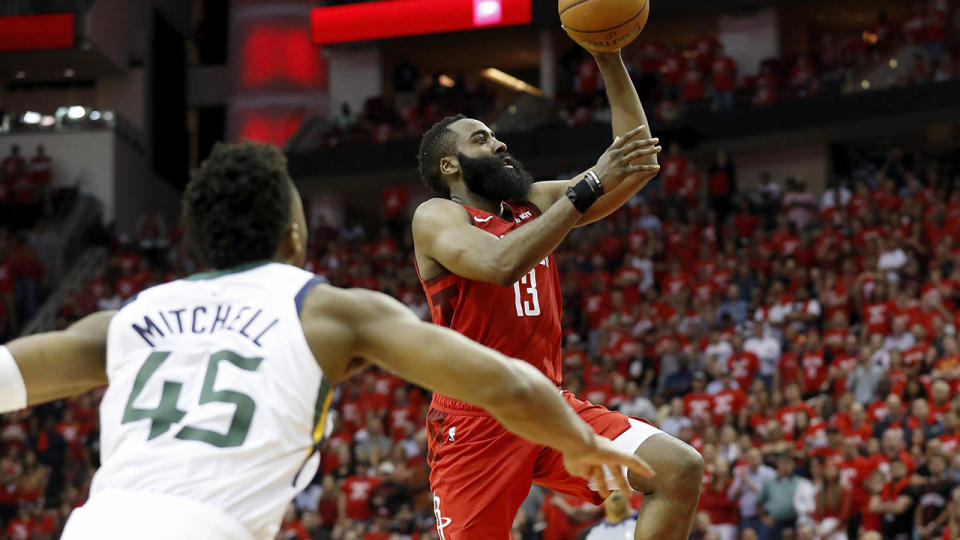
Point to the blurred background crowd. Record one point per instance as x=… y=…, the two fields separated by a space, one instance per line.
x=783 y=296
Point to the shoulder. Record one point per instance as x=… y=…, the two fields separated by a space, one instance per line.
x=348 y=305
x=439 y=207
x=436 y=212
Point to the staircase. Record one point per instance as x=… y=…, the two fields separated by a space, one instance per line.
x=75 y=278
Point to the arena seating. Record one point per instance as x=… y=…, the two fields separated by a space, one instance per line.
x=820 y=326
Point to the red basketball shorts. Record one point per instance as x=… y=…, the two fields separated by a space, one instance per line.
x=481 y=473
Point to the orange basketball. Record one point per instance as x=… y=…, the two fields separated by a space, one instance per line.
x=604 y=25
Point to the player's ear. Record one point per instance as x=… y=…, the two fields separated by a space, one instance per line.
x=292 y=245
x=449 y=165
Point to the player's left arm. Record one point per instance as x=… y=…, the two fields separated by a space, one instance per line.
x=628 y=114
x=55 y=365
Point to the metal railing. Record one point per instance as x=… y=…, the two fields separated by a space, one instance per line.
x=79 y=275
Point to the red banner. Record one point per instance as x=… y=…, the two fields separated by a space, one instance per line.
x=396 y=18
x=34 y=32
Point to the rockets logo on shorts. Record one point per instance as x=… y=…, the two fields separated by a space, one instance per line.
x=442 y=522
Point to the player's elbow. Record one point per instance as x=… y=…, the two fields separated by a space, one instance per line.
x=506 y=278
x=510 y=271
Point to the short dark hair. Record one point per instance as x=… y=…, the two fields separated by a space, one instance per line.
x=237 y=206
x=437 y=143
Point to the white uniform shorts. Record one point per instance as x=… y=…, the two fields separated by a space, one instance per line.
x=127 y=515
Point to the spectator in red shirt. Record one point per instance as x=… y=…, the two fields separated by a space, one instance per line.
x=724 y=75
x=767 y=87
x=833 y=501
x=803 y=80
x=722 y=186
x=41 y=168
x=698 y=403
x=355 y=492
x=743 y=364
x=673 y=168
x=13 y=166
x=395 y=201
x=19 y=527
x=896 y=501
x=815 y=364
x=729 y=401
x=745 y=222
x=692 y=87
x=671 y=71
x=715 y=501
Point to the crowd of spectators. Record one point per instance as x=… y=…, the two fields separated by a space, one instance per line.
x=24 y=239
x=806 y=344
x=676 y=77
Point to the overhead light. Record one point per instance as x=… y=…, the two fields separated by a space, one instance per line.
x=76 y=112
x=510 y=81
x=31 y=117
x=69 y=73
x=865 y=84
x=48 y=120
x=894 y=63
x=94 y=115
x=512 y=109
x=21 y=74
x=446 y=81
x=107 y=116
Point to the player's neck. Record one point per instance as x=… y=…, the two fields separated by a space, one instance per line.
x=473 y=200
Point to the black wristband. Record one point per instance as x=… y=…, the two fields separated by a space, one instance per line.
x=594 y=180
x=582 y=196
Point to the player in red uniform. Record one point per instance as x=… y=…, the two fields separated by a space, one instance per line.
x=483 y=250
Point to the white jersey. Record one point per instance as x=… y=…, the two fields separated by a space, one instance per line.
x=613 y=531
x=214 y=395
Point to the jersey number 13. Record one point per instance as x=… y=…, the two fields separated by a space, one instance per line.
x=525 y=294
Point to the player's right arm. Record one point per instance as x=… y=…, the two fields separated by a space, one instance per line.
x=56 y=365
x=342 y=324
x=444 y=232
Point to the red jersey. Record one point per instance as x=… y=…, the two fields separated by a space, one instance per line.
x=521 y=321
x=814 y=370
x=785 y=414
x=697 y=405
x=743 y=367
x=357 y=490
x=728 y=401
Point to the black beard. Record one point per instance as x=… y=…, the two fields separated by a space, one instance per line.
x=490 y=179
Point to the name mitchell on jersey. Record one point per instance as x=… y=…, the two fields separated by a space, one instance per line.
x=207 y=320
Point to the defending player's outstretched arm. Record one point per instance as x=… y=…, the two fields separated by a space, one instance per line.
x=56 y=365
x=628 y=115
x=340 y=324
x=443 y=230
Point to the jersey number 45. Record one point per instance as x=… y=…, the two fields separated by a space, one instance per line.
x=166 y=413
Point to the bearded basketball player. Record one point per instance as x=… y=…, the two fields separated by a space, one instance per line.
x=218 y=384
x=483 y=250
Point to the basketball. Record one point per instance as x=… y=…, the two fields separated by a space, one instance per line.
x=604 y=25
